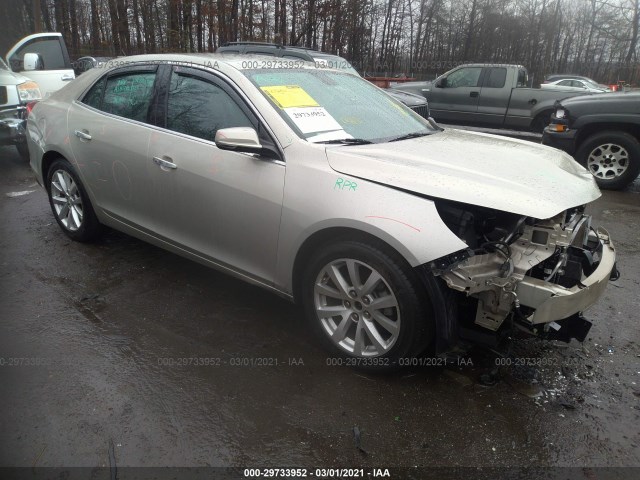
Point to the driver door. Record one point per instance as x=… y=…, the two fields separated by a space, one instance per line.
x=456 y=99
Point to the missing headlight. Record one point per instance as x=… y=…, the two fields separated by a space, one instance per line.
x=477 y=226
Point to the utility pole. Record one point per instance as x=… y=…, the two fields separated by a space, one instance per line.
x=37 y=16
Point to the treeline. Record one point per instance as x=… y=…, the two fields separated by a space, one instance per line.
x=597 y=38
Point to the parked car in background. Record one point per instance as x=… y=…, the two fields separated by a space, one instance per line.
x=573 y=84
x=483 y=94
x=602 y=132
x=42 y=57
x=83 y=64
x=16 y=94
x=416 y=102
x=560 y=76
x=396 y=236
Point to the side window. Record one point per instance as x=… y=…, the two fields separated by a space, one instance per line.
x=129 y=95
x=566 y=83
x=200 y=108
x=93 y=98
x=496 y=78
x=522 y=79
x=465 y=77
x=50 y=49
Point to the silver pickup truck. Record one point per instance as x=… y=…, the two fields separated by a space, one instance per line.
x=492 y=95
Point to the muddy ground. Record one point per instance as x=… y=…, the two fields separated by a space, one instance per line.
x=92 y=338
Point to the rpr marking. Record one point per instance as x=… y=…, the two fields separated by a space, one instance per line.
x=343 y=184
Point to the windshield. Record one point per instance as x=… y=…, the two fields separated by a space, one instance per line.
x=324 y=105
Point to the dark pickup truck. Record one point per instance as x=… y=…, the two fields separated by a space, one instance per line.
x=602 y=132
x=491 y=95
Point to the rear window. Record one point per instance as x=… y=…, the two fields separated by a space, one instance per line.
x=93 y=97
x=496 y=78
x=127 y=95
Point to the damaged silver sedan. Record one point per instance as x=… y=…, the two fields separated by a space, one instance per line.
x=397 y=238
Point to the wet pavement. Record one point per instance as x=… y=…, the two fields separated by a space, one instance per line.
x=178 y=365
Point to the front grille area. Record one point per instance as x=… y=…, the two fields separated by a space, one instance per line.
x=422 y=110
x=3 y=95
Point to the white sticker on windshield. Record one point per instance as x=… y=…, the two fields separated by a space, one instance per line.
x=326 y=136
x=312 y=119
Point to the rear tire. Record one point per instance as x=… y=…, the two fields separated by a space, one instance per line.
x=613 y=158
x=367 y=306
x=70 y=203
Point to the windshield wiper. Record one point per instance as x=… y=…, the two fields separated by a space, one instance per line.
x=347 y=141
x=410 y=135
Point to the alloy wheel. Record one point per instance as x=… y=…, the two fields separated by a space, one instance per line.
x=608 y=161
x=67 y=201
x=357 y=308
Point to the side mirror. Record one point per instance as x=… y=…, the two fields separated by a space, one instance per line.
x=239 y=139
x=32 y=61
x=441 y=82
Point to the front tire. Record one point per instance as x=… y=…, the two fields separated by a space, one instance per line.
x=613 y=158
x=541 y=121
x=70 y=203
x=367 y=305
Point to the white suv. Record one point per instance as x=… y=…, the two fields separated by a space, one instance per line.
x=16 y=93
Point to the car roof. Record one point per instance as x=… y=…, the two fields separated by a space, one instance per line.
x=560 y=76
x=273 y=49
x=487 y=65
x=208 y=60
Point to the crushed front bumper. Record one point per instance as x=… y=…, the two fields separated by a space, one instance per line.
x=12 y=126
x=542 y=281
x=554 y=302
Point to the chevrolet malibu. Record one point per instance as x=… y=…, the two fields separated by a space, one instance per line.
x=395 y=236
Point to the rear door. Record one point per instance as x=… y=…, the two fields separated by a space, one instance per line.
x=494 y=96
x=54 y=72
x=109 y=136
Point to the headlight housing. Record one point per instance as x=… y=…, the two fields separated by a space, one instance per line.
x=561 y=113
x=29 y=91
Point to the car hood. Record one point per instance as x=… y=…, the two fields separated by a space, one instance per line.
x=615 y=99
x=474 y=168
x=10 y=78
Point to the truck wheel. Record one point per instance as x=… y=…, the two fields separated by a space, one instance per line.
x=613 y=158
x=70 y=203
x=366 y=305
x=23 y=150
x=541 y=121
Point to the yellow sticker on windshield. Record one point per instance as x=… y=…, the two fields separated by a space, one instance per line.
x=289 y=96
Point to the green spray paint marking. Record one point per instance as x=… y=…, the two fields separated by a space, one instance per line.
x=343 y=184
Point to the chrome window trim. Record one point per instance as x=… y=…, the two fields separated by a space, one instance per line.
x=163 y=130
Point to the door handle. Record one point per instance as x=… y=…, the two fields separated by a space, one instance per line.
x=164 y=164
x=474 y=94
x=66 y=77
x=82 y=135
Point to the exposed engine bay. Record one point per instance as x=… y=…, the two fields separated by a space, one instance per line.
x=541 y=274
